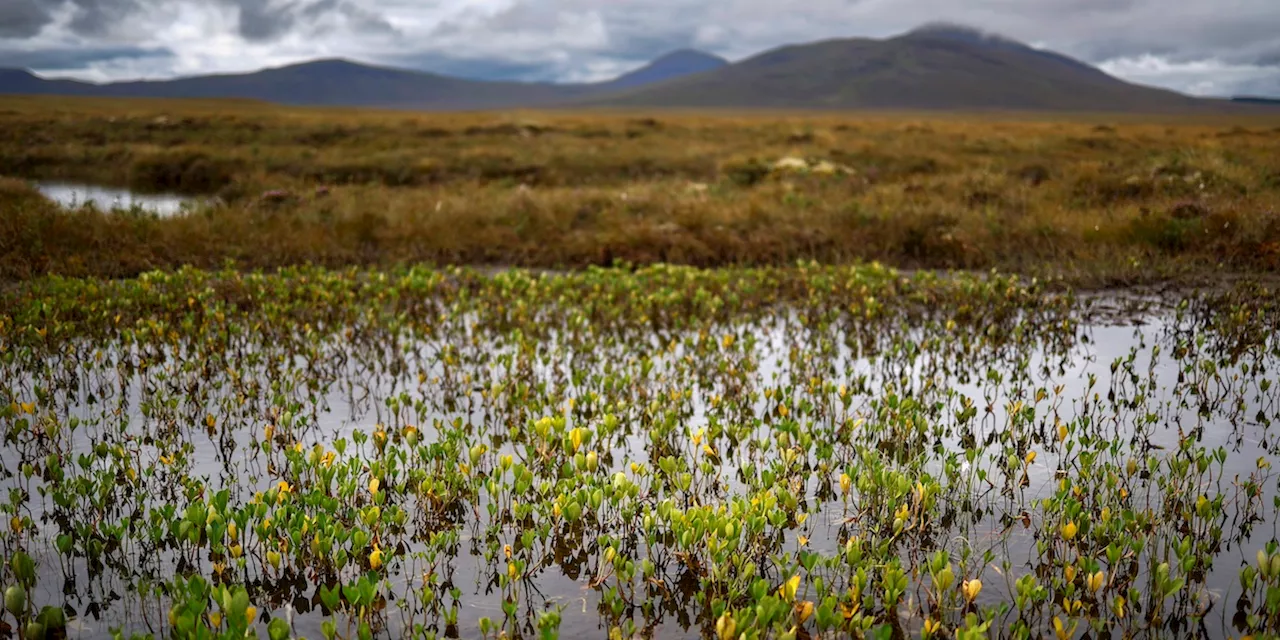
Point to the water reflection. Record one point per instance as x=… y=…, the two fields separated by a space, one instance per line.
x=75 y=195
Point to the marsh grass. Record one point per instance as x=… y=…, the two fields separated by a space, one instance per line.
x=573 y=189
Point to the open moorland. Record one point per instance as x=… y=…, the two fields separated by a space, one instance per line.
x=1122 y=197
x=637 y=375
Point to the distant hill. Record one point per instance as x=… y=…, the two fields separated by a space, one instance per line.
x=338 y=82
x=1259 y=100
x=935 y=67
x=676 y=64
x=331 y=82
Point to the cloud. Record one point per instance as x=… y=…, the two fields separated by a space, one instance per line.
x=1217 y=45
x=22 y=19
x=266 y=20
x=96 y=18
x=1204 y=77
x=74 y=58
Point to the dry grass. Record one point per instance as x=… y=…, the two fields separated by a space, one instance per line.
x=1122 y=197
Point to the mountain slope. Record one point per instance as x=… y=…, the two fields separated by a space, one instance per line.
x=319 y=83
x=683 y=62
x=337 y=82
x=931 y=68
x=1257 y=100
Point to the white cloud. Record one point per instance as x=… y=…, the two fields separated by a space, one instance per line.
x=1199 y=77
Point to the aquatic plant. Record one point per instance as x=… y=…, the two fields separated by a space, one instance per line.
x=783 y=452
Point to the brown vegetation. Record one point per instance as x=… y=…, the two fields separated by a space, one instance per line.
x=1122 y=196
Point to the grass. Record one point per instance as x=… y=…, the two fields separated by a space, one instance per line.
x=1121 y=197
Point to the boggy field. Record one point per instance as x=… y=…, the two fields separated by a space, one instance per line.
x=1118 y=198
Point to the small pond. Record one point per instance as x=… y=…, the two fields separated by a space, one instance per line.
x=74 y=195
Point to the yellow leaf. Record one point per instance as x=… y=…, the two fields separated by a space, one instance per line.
x=1069 y=530
x=971 y=589
x=805 y=609
x=725 y=627
x=788 y=589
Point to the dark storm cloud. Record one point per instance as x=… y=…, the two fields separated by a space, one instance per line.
x=258 y=20
x=71 y=59
x=100 y=17
x=22 y=18
x=266 y=20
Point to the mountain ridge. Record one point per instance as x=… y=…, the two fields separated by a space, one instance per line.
x=935 y=66
x=929 y=69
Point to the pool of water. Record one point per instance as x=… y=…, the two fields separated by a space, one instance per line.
x=994 y=416
x=75 y=195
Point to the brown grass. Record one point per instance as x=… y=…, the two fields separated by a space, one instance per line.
x=1122 y=196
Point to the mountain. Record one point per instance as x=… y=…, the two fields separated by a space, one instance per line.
x=332 y=82
x=339 y=82
x=934 y=67
x=1258 y=100
x=938 y=66
x=683 y=62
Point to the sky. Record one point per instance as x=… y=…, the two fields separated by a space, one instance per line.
x=1203 y=47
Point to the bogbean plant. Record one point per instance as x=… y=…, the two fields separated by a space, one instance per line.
x=748 y=453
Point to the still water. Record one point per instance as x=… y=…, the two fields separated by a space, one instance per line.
x=74 y=195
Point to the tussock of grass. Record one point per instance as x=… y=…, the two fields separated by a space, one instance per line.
x=568 y=190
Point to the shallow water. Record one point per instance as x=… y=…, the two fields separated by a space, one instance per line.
x=1133 y=388
x=75 y=195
